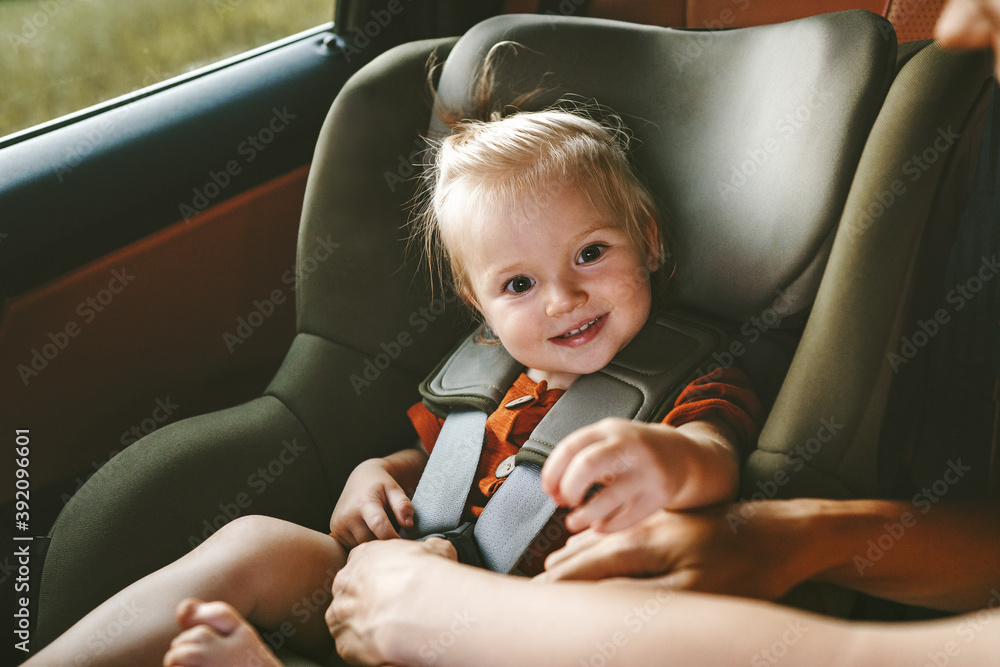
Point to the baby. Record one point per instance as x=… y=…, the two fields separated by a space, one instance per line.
x=549 y=236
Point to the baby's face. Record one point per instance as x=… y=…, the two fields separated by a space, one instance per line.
x=561 y=285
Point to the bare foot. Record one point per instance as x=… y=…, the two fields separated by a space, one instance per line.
x=215 y=634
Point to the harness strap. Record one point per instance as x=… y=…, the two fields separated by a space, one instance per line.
x=519 y=509
x=513 y=517
x=444 y=486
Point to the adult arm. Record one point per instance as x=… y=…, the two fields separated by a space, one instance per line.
x=945 y=556
x=399 y=603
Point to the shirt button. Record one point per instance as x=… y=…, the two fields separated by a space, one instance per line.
x=518 y=402
x=506 y=467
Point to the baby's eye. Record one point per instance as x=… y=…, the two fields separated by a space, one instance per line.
x=590 y=253
x=519 y=284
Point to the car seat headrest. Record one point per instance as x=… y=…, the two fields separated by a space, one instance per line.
x=748 y=138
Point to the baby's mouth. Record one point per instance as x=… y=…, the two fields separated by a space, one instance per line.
x=574 y=332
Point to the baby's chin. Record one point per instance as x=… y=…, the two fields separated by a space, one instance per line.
x=564 y=375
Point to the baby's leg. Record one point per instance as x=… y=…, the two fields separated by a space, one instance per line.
x=274 y=573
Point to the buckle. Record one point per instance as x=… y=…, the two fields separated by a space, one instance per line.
x=506 y=467
x=464 y=541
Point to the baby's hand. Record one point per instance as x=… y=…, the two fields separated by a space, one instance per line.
x=617 y=472
x=361 y=513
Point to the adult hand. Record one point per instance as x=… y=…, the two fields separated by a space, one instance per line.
x=970 y=24
x=739 y=549
x=378 y=594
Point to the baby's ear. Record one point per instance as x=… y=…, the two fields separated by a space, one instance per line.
x=654 y=245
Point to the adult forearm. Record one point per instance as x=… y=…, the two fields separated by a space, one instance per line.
x=935 y=555
x=485 y=619
x=397 y=603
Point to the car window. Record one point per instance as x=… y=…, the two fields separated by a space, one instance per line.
x=59 y=56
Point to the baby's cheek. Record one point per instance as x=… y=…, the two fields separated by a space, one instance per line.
x=641 y=275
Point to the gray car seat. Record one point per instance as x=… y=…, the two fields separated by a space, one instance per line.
x=774 y=153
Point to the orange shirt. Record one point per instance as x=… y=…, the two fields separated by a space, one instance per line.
x=723 y=394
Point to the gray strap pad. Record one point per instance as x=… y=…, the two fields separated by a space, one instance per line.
x=475 y=375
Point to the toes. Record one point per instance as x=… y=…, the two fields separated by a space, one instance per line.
x=203 y=646
x=185 y=609
x=199 y=635
x=219 y=616
x=185 y=652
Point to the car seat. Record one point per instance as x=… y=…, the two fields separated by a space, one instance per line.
x=774 y=152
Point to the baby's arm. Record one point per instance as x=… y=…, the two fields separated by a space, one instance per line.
x=640 y=468
x=713 y=474
x=374 y=486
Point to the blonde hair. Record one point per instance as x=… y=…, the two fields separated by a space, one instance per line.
x=522 y=160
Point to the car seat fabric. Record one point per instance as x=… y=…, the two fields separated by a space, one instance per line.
x=369 y=330
x=888 y=246
x=953 y=347
x=163 y=495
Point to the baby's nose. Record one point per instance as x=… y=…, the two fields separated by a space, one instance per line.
x=565 y=298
